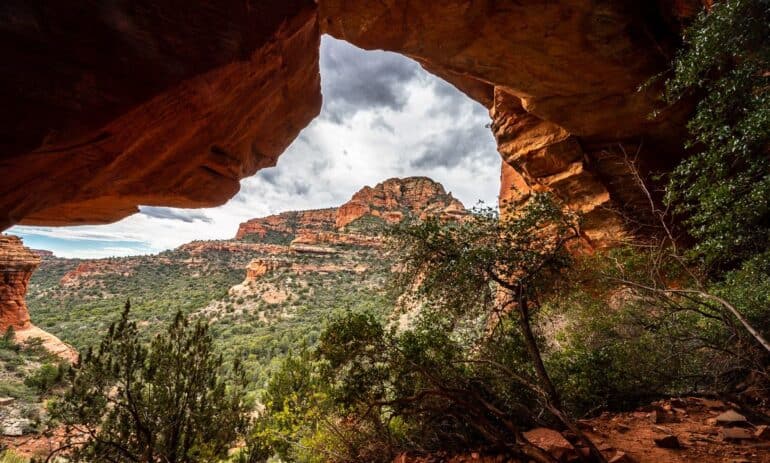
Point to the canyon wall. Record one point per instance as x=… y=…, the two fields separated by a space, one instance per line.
x=17 y=263
x=176 y=104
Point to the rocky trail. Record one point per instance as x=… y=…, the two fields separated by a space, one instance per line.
x=679 y=430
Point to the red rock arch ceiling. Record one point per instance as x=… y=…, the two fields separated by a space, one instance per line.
x=166 y=102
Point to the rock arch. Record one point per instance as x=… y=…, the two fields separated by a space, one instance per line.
x=170 y=103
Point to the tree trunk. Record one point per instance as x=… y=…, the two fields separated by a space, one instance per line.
x=534 y=352
x=555 y=405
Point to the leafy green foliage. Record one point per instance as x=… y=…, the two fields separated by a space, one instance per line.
x=78 y=314
x=246 y=327
x=29 y=372
x=723 y=189
x=461 y=373
x=463 y=264
x=295 y=404
x=46 y=377
x=165 y=401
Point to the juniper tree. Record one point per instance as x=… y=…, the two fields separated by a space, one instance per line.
x=166 y=401
x=467 y=368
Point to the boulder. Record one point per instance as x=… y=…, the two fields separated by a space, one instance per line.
x=736 y=434
x=552 y=442
x=731 y=418
x=668 y=441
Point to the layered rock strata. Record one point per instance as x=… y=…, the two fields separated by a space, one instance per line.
x=390 y=201
x=289 y=223
x=395 y=198
x=17 y=263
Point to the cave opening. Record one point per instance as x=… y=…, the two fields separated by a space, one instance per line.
x=383 y=116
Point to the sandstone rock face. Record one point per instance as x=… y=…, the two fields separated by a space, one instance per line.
x=576 y=63
x=198 y=248
x=540 y=156
x=333 y=233
x=334 y=238
x=92 y=268
x=257 y=268
x=173 y=107
x=180 y=103
x=16 y=266
x=392 y=199
x=288 y=223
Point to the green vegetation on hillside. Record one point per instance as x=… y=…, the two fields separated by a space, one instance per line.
x=244 y=326
x=158 y=286
x=29 y=375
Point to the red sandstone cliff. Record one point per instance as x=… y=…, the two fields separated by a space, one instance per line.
x=289 y=223
x=391 y=200
x=17 y=263
x=16 y=266
x=96 y=267
x=394 y=198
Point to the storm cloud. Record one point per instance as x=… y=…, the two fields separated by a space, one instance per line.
x=182 y=215
x=452 y=148
x=354 y=80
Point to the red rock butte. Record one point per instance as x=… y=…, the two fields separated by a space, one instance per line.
x=389 y=201
x=106 y=107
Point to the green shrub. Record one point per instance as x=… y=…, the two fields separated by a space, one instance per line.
x=9 y=456
x=46 y=377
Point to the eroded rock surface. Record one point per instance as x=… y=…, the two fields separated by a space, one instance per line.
x=84 y=271
x=390 y=201
x=175 y=105
x=280 y=226
x=394 y=199
x=114 y=105
x=17 y=263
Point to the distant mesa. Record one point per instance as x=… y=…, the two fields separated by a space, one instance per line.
x=43 y=252
x=388 y=202
x=358 y=223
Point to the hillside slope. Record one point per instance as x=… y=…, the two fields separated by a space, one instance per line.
x=266 y=292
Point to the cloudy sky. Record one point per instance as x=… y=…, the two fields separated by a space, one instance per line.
x=383 y=116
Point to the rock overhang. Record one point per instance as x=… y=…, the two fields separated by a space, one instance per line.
x=149 y=103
